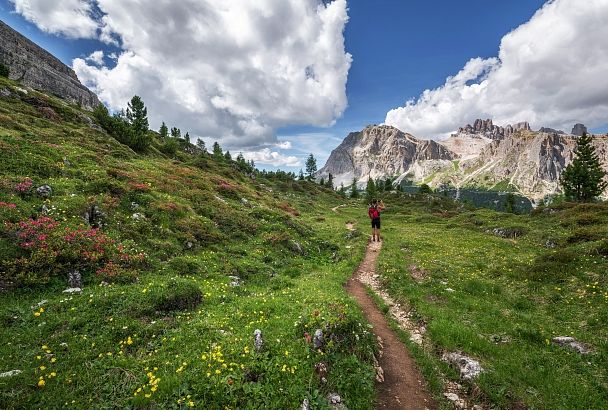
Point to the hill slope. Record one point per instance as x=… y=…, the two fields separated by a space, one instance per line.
x=182 y=258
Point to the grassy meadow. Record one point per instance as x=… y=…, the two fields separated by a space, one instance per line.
x=183 y=256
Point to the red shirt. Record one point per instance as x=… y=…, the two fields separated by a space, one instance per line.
x=373 y=212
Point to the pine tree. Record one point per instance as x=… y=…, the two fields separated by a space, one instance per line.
x=354 y=192
x=187 y=137
x=201 y=145
x=137 y=117
x=217 y=150
x=330 y=181
x=322 y=181
x=370 y=190
x=176 y=132
x=311 y=166
x=227 y=156
x=163 y=131
x=509 y=203
x=583 y=178
x=301 y=175
x=342 y=190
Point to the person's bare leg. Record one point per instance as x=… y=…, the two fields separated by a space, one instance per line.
x=378 y=234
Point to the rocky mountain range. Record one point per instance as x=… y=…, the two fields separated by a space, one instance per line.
x=481 y=155
x=37 y=68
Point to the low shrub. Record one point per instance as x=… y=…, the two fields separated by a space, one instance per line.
x=552 y=266
x=585 y=235
x=48 y=248
x=176 y=294
x=185 y=265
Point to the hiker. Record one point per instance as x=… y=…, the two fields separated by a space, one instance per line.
x=374 y=214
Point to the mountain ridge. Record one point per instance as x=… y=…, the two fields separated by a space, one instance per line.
x=482 y=155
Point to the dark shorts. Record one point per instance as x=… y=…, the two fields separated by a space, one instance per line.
x=376 y=223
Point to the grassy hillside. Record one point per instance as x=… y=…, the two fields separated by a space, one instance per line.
x=182 y=257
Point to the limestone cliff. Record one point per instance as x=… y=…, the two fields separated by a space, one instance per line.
x=35 y=67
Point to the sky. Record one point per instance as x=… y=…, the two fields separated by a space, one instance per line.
x=279 y=79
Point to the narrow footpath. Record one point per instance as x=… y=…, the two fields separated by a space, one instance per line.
x=403 y=386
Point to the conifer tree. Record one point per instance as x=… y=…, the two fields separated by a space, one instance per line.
x=137 y=117
x=187 y=137
x=583 y=178
x=163 y=131
x=227 y=156
x=342 y=190
x=354 y=192
x=201 y=145
x=322 y=181
x=370 y=190
x=301 y=175
x=311 y=166
x=330 y=181
x=217 y=150
x=176 y=132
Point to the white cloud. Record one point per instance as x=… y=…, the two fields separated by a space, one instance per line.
x=71 y=18
x=550 y=71
x=283 y=145
x=234 y=70
x=96 y=57
x=268 y=157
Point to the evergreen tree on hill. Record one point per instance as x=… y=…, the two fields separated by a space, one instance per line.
x=370 y=190
x=354 y=193
x=163 y=131
x=583 y=178
x=330 y=181
x=176 y=132
x=137 y=117
x=217 y=151
x=311 y=167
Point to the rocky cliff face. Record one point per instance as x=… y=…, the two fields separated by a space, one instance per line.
x=380 y=151
x=36 y=68
x=481 y=155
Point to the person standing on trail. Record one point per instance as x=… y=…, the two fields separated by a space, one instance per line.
x=374 y=214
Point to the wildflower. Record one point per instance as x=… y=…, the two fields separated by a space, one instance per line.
x=41 y=383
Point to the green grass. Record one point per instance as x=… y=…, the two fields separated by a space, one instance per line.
x=514 y=290
x=173 y=333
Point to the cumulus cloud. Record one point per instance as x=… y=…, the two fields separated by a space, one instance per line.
x=550 y=71
x=96 y=57
x=266 y=156
x=71 y=18
x=234 y=70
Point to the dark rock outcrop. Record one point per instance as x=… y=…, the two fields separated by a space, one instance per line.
x=550 y=131
x=36 y=68
x=578 y=130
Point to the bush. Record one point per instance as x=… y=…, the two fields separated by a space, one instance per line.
x=185 y=265
x=176 y=294
x=552 y=266
x=4 y=71
x=47 y=248
x=585 y=235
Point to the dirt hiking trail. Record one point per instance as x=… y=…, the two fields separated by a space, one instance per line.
x=403 y=386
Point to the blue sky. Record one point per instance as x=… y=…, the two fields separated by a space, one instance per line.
x=399 y=49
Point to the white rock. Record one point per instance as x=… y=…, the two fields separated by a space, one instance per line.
x=41 y=303
x=469 y=368
x=73 y=290
x=10 y=373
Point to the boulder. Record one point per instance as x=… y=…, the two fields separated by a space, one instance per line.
x=75 y=279
x=10 y=373
x=573 y=344
x=317 y=340
x=258 y=341
x=95 y=217
x=44 y=191
x=469 y=367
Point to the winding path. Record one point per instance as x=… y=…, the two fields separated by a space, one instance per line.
x=403 y=386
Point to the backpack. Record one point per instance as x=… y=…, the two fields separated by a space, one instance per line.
x=373 y=212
